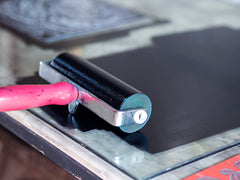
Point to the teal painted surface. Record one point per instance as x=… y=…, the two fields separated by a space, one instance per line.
x=136 y=101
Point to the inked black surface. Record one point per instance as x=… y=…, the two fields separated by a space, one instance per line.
x=193 y=80
x=85 y=120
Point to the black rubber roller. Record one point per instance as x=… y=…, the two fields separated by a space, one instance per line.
x=103 y=85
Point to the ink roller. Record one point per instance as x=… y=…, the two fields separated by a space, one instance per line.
x=76 y=81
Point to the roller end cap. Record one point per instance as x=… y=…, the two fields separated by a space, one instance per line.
x=141 y=117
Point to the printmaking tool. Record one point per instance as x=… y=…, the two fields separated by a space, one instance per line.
x=77 y=81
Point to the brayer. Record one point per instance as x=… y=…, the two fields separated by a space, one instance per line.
x=77 y=81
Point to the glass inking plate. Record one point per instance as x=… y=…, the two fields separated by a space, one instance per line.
x=50 y=21
x=193 y=80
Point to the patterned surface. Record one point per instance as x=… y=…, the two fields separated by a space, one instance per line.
x=228 y=169
x=48 y=20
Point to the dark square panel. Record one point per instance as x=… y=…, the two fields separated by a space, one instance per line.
x=193 y=80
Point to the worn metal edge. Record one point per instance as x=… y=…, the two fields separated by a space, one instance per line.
x=61 y=149
x=46 y=148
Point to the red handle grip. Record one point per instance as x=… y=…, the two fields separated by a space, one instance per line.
x=29 y=96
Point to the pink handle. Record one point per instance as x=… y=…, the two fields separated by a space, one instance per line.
x=29 y=96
